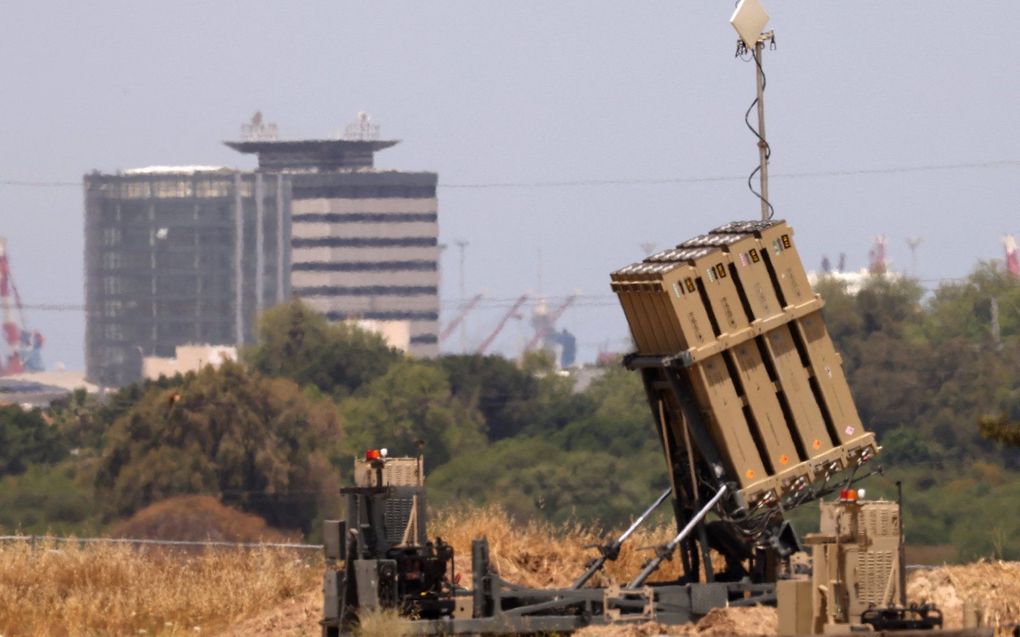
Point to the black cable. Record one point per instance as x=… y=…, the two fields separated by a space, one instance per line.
x=761 y=139
x=654 y=181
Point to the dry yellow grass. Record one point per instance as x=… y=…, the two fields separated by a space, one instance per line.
x=542 y=554
x=383 y=623
x=118 y=590
x=989 y=589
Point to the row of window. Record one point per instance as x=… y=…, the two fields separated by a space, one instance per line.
x=175 y=188
x=367 y=266
x=345 y=191
x=186 y=285
x=364 y=217
x=184 y=262
x=367 y=290
x=167 y=188
x=113 y=332
x=364 y=242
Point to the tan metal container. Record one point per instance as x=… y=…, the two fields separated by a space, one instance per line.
x=855 y=561
x=732 y=313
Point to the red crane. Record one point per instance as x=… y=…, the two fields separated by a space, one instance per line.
x=24 y=345
x=544 y=323
x=459 y=318
x=502 y=323
x=1012 y=259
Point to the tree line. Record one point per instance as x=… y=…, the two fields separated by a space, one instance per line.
x=935 y=374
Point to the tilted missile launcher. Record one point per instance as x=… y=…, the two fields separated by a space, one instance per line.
x=734 y=349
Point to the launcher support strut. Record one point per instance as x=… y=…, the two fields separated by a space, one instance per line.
x=667 y=550
x=612 y=550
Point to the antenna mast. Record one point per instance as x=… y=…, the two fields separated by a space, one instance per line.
x=749 y=19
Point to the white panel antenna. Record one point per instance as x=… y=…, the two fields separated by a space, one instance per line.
x=749 y=19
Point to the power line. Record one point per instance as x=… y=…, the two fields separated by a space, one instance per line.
x=40 y=184
x=581 y=300
x=590 y=183
x=688 y=180
x=81 y=541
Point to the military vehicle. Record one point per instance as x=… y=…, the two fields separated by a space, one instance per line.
x=750 y=403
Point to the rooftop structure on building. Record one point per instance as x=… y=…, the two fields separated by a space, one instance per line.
x=179 y=254
x=186 y=359
x=313 y=155
x=40 y=389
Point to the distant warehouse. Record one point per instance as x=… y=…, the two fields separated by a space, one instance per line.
x=192 y=254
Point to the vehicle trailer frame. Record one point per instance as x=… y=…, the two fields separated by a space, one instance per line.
x=494 y=606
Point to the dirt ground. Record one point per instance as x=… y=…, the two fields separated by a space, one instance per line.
x=299 y=617
x=738 y=622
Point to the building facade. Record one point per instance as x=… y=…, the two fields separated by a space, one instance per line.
x=364 y=241
x=179 y=255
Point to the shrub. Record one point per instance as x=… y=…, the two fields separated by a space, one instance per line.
x=196 y=518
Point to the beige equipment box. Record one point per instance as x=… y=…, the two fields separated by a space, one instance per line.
x=395 y=472
x=855 y=566
x=733 y=345
x=403 y=514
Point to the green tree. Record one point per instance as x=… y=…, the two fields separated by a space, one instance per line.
x=512 y=400
x=531 y=477
x=50 y=499
x=257 y=443
x=841 y=316
x=299 y=343
x=598 y=460
x=892 y=307
x=25 y=438
x=619 y=421
x=999 y=429
x=964 y=309
x=83 y=418
x=556 y=403
x=412 y=402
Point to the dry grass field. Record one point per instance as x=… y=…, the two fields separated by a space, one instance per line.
x=97 y=590
x=105 y=590
x=118 y=590
x=988 y=590
x=542 y=554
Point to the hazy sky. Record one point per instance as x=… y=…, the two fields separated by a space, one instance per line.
x=524 y=92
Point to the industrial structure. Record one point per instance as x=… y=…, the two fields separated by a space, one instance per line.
x=23 y=345
x=179 y=255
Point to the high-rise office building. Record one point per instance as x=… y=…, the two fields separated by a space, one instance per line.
x=178 y=255
x=364 y=241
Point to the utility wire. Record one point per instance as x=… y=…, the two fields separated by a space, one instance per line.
x=581 y=300
x=655 y=181
x=44 y=539
x=582 y=183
